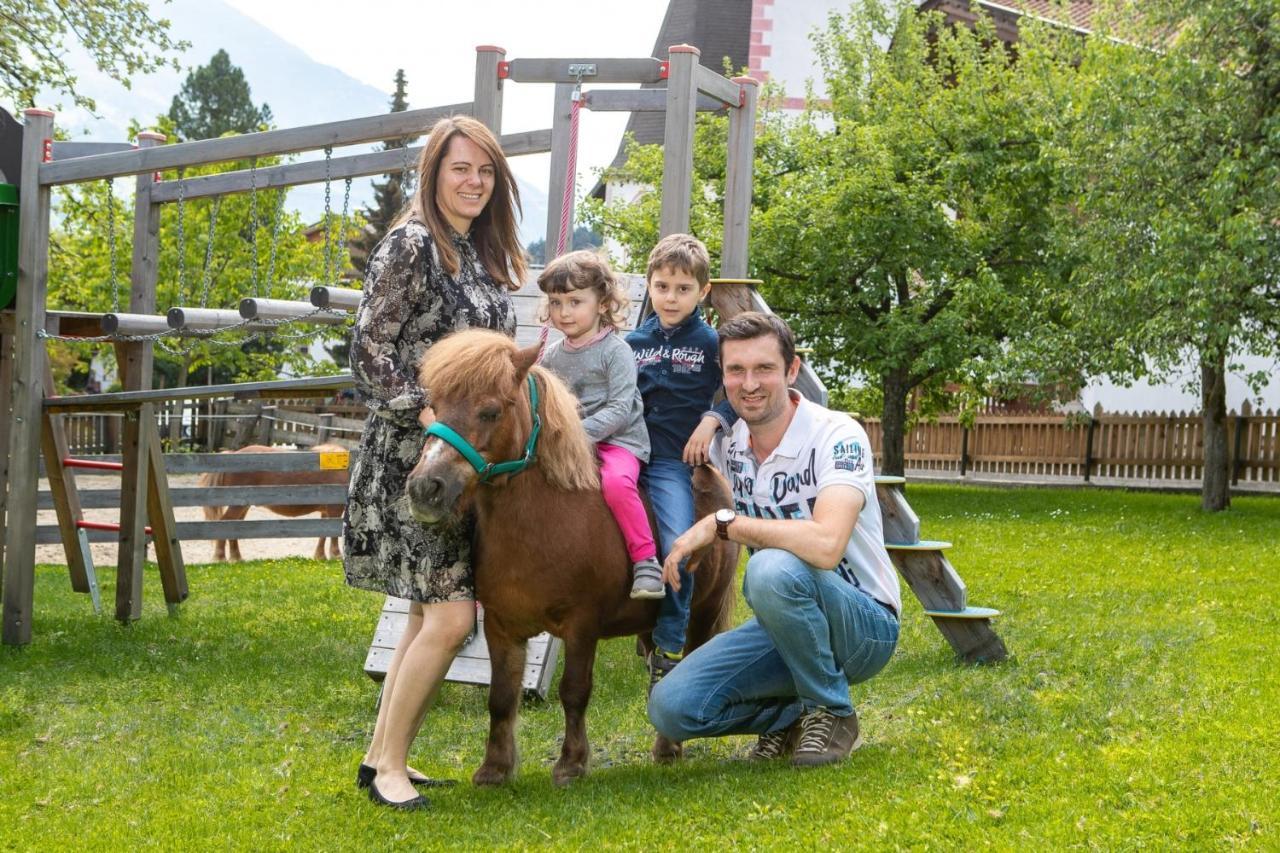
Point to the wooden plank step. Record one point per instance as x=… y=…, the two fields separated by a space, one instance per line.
x=922 y=545
x=471 y=666
x=970 y=612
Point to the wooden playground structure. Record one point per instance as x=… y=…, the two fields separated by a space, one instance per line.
x=34 y=432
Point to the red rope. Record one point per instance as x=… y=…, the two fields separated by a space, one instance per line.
x=566 y=200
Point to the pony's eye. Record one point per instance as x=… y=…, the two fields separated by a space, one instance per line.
x=489 y=416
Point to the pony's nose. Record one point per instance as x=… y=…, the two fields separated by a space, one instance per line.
x=426 y=489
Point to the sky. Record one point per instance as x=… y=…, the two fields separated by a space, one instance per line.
x=435 y=44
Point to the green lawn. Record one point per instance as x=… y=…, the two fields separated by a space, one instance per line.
x=1138 y=710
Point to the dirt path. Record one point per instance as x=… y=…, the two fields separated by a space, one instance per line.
x=194 y=551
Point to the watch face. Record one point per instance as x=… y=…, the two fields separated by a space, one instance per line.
x=724 y=516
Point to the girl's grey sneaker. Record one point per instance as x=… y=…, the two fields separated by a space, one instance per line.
x=647 y=580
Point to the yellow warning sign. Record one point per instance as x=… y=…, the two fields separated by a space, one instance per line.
x=335 y=460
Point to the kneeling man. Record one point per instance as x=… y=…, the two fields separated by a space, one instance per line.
x=825 y=596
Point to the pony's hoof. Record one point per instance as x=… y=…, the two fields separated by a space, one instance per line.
x=666 y=751
x=488 y=776
x=563 y=775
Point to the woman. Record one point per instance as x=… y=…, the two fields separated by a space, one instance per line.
x=447 y=264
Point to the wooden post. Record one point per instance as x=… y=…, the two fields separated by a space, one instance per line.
x=488 y=101
x=739 y=167
x=324 y=427
x=6 y=380
x=62 y=488
x=677 y=150
x=1088 y=441
x=266 y=422
x=560 y=123
x=964 y=449
x=1237 y=442
x=135 y=361
x=28 y=369
x=173 y=570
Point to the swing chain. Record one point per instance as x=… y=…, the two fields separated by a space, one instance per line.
x=328 y=215
x=111 y=245
x=182 y=236
x=339 y=263
x=207 y=272
x=407 y=175
x=275 y=239
x=253 y=224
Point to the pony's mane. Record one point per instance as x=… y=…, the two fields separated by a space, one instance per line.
x=478 y=361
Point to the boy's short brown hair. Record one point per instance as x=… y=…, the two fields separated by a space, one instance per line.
x=683 y=253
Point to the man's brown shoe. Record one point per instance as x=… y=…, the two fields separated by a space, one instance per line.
x=826 y=738
x=779 y=744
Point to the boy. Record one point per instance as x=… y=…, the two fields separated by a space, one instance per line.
x=678 y=367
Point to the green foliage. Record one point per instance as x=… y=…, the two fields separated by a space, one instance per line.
x=121 y=36
x=1174 y=155
x=214 y=101
x=240 y=261
x=1134 y=713
x=583 y=238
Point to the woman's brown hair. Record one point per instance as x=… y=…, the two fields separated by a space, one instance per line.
x=494 y=231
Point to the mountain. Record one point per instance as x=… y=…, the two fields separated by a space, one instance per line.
x=298 y=89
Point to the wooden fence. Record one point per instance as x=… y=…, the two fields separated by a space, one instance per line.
x=1156 y=447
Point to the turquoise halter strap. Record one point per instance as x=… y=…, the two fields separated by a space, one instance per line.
x=486 y=470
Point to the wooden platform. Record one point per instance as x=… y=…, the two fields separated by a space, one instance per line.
x=471 y=666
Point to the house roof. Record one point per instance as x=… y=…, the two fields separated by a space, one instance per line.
x=718 y=28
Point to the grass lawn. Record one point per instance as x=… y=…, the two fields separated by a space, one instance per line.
x=1138 y=710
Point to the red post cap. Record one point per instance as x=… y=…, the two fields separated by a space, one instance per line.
x=684 y=48
x=745 y=81
x=32 y=111
x=490 y=48
x=152 y=135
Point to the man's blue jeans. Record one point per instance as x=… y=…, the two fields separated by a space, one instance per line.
x=669 y=483
x=812 y=636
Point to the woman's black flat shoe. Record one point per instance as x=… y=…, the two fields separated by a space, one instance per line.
x=366 y=774
x=416 y=804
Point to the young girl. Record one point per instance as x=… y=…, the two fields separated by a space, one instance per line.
x=588 y=303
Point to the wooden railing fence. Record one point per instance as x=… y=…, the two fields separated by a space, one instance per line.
x=1161 y=447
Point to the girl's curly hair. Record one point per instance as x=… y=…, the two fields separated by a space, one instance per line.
x=586 y=270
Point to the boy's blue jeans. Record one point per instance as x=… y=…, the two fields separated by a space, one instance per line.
x=669 y=483
x=812 y=636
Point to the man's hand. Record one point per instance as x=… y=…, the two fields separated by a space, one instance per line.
x=702 y=534
x=427 y=417
x=699 y=444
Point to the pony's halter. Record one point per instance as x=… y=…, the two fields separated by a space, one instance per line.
x=488 y=470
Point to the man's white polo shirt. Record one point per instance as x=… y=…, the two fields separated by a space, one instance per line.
x=820 y=448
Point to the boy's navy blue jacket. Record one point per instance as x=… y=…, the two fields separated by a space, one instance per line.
x=678 y=373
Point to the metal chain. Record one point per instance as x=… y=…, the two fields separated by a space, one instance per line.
x=275 y=239
x=328 y=213
x=207 y=272
x=182 y=236
x=341 y=262
x=253 y=217
x=111 y=245
x=406 y=171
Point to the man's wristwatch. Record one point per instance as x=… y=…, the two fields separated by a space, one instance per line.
x=724 y=517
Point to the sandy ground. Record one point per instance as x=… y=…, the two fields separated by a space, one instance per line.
x=194 y=551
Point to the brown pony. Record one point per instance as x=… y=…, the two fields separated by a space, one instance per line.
x=548 y=553
x=274 y=478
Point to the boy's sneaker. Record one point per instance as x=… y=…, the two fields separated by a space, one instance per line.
x=779 y=744
x=826 y=738
x=647 y=580
x=660 y=663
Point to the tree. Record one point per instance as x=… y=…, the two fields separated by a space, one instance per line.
x=388 y=195
x=903 y=227
x=215 y=100
x=583 y=238
x=1175 y=214
x=121 y=36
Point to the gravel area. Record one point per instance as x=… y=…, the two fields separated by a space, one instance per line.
x=197 y=551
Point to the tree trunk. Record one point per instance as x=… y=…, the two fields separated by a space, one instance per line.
x=893 y=423
x=1215 y=494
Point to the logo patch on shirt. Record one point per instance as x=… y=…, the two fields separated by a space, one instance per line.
x=849 y=456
